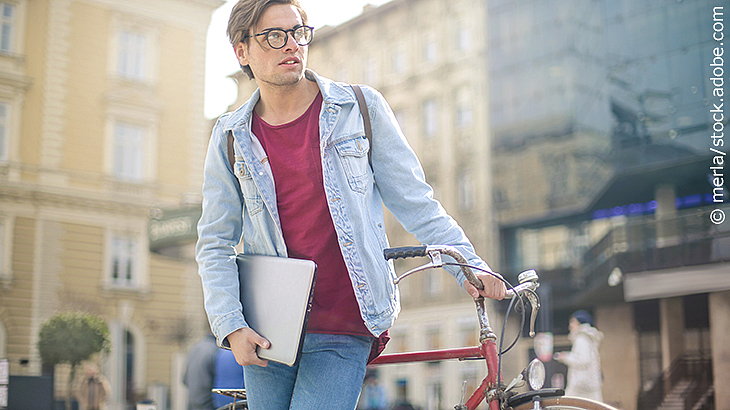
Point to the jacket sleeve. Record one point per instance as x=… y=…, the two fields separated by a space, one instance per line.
x=219 y=231
x=405 y=192
x=579 y=356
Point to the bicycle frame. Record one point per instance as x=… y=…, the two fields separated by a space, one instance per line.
x=489 y=388
x=486 y=350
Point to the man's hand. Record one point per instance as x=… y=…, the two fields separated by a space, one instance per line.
x=493 y=287
x=243 y=344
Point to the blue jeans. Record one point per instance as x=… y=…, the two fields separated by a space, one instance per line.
x=328 y=376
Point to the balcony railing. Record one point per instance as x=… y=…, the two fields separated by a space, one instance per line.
x=649 y=243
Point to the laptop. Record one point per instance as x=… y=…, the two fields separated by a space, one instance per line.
x=276 y=294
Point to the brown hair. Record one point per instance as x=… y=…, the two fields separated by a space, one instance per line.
x=246 y=14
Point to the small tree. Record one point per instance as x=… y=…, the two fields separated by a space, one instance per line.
x=72 y=338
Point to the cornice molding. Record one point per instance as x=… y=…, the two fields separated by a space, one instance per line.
x=189 y=13
x=69 y=199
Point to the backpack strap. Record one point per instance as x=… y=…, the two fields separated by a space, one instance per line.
x=231 y=157
x=365 y=120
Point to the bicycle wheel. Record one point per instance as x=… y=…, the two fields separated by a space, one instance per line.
x=239 y=405
x=567 y=403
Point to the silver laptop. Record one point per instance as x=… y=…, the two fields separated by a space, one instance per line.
x=276 y=294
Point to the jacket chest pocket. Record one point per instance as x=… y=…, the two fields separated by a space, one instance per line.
x=353 y=154
x=252 y=201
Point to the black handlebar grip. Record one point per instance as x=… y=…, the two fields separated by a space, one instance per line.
x=404 y=252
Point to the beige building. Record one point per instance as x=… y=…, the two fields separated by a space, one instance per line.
x=101 y=127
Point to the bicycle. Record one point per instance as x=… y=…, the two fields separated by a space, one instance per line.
x=498 y=395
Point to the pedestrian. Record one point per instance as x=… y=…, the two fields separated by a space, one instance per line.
x=583 y=360
x=302 y=186
x=373 y=396
x=228 y=375
x=199 y=373
x=92 y=388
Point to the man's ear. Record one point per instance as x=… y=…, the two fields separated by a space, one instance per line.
x=241 y=50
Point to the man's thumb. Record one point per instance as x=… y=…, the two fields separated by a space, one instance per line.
x=263 y=343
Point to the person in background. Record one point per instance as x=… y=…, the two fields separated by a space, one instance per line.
x=373 y=396
x=199 y=373
x=583 y=360
x=228 y=375
x=92 y=388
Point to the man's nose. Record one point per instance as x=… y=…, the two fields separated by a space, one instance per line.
x=291 y=44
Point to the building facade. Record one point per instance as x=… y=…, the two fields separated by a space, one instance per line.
x=101 y=128
x=610 y=103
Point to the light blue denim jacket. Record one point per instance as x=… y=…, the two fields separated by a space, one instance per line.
x=242 y=201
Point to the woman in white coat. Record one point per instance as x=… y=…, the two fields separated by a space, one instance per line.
x=583 y=360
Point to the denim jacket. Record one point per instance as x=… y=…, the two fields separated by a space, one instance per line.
x=240 y=204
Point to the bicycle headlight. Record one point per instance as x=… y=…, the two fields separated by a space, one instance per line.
x=536 y=374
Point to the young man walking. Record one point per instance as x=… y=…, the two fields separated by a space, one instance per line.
x=302 y=186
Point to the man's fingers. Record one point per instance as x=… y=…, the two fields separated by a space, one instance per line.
x=493 y=288
x=243 y=343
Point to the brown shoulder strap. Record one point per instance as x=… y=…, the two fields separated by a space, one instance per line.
x=231 y=156
x=365 y=120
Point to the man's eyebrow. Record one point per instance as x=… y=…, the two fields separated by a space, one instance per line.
x=281 y=28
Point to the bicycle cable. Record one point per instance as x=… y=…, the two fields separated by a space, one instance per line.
x=509 y=309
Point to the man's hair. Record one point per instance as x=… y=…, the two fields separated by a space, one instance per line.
x=246 y=14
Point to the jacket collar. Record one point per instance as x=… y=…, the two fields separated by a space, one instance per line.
x=332 y=93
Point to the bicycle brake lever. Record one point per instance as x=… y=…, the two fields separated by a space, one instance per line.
x=436 y=262
x=535 y=303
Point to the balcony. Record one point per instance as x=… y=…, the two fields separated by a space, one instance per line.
x=642 y=244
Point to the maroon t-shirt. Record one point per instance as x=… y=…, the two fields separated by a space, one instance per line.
x=294 y=155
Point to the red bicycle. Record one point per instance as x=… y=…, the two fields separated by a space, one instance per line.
x=498 y=395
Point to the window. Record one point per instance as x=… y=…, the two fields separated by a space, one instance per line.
x=464 y=115
x=133 y=55
x=2 y=249
x=466 y=191
x=6 y=229
x=129 y=152
x=7 y=27
x=463 y=40
x=125 y=264
x=370 y=71
x=430 y=49
x=4 y=130
x=430 y=117
x=399 y=59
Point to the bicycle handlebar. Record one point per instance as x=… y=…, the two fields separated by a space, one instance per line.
x=528 y=280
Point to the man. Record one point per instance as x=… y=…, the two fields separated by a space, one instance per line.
x=92 y=388
x=200 y=372
x=302 y=187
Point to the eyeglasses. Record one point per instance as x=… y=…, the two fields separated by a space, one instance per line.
x=277 y=37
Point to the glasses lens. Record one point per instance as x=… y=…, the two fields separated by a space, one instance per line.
x=276 y=38
x=303 y=35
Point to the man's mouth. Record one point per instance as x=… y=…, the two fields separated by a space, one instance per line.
x=290 y=61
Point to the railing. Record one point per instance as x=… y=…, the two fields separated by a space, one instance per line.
x=646 y=243
x=694 y=368
x=703 y=382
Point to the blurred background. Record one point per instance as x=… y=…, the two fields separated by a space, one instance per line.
x=572 y=137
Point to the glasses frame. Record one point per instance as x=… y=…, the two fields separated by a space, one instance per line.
x=286 y=34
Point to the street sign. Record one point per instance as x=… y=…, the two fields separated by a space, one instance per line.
x=171 y=227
